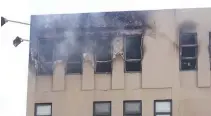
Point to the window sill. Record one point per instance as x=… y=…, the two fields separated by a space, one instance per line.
x=183 y=70
x=73 y=73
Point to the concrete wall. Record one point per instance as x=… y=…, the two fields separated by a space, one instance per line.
x=73 y=95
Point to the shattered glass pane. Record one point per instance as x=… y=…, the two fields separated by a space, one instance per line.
x=74 y=68
x=133 y=47
x=189 y=51
x=188 y=38
x=103 y=67
x=133 y=65
x=103 y=50
x=46 y=47
x=75 y=52
x=45 y=69
x=188 y=64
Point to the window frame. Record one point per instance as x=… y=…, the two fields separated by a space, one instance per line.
x=209 y=48
x=41 y=104
x=75 y=62
x=43 y=62
x=131 y=101
x=133 y=60
x=185 y=46
x=108 y=61
x=97 y=102
x=163 y=113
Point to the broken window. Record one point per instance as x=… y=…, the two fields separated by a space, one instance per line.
x=74 y=63
x=45 y=56
x=103 y=55
x=188 y=51
x=133 y=53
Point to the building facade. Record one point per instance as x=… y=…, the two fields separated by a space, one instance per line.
x=162 y=69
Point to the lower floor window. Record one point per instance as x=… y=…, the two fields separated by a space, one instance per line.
x=43 y=109
x=132 y=108
x=102 y=108
x=163 y=108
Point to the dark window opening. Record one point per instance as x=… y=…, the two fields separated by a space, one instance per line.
x=102 y=108
x=74 y=63
x=74 y=68
x=133 y=65
x=188 y=51
x=133 y=53
x=103 y=56
x=132 y=108
x=45 y=69
x=133 y=47
x=46 y=47
x=188 y=64
x=43 y=109
x=188 y=38
x=45 y=57
x=102 y=67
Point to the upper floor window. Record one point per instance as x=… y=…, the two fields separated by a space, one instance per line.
x=133 y=53
x=132 y=108
x=45 y=56
x=162 y=108
x=74 y=63
x=43 y=109
x=103 y=57
x=102 y=108
x=188 y=51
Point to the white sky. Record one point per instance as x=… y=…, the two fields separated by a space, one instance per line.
x=14 y=61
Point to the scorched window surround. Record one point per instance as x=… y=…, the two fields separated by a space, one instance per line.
x=45 y=56
x=133 y=53
x=188 y=51
x=103 y=58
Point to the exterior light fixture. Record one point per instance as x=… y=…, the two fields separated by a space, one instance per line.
x=4 y=21
x=18 y=41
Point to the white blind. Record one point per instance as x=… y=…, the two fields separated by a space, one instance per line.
x=163 y=115
x=44 y=110
x=132 y=107
x=102 y=107
x=163 y=107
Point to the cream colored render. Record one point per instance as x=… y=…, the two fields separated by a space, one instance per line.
x=73 y=95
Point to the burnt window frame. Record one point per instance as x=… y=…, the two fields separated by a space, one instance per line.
x=43 y=62
x=108 y=61
x=188 y=45
x=133 y=60
x=163 y=113
x=101 y=102
x=75 y=62
x=131 y=114
x=42 y=104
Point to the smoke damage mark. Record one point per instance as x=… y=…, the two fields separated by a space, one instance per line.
x=188 y=46
x=74 y=35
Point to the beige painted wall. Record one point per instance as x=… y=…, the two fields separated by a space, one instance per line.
x=73 y=95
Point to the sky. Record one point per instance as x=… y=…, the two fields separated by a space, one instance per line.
x=14 y=60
